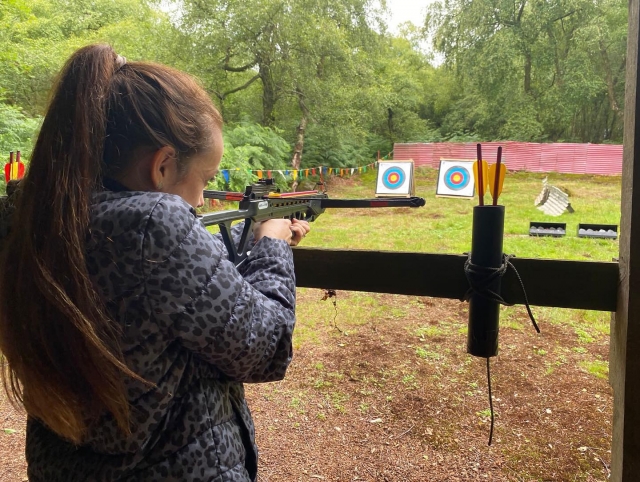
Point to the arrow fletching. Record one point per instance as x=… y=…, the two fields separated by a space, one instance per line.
x=493 y=189
x=483 y=181
x=13 y=170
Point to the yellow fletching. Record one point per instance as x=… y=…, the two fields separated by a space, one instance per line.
x=492 y=180
x=485 y=175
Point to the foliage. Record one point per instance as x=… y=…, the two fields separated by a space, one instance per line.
x=16 y=130
x=329 y=147
x=328 y=77
x=37 y=36
x=263 y=147
x=251 y=147
x=16 y=133
x=534 y=71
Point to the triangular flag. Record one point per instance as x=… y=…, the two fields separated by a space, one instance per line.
x=294 y=174
x=225 y=173
x=313 y=171
x=259 y=174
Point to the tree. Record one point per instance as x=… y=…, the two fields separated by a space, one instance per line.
x=528 y=69
x=39 y=35
x=307 y=57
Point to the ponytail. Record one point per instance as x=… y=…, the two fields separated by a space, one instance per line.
x=64 y=361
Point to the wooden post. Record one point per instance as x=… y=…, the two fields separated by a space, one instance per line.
x=624 y=366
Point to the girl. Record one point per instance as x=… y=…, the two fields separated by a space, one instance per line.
x=127 y=333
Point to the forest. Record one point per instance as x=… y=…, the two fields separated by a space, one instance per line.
x=326 y=82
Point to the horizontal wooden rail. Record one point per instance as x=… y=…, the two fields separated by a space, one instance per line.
x=585 y=285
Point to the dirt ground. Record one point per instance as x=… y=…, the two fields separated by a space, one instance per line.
x=393 y=396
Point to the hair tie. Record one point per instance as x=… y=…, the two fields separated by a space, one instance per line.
x=120 y=61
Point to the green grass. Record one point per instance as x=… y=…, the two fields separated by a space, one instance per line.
x=597 y=368
x=444 y=225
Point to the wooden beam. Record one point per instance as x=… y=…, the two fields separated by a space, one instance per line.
x=567 y=284
x=624 y=362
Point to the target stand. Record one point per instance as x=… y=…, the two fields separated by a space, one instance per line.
x=395 y=179
x=455 y=179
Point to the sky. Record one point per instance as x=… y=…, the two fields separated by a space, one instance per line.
x=406 y=11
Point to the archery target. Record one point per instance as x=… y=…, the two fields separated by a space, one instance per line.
x=395 y=178
x=455 y=179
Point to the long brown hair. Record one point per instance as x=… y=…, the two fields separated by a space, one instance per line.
x=63 y=358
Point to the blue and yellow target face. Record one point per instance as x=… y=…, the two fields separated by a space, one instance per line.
x=457 y=178
x=393 y=178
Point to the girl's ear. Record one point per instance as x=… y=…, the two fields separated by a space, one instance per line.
x=163 y=167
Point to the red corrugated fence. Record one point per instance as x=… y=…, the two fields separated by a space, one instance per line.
x=604 y=159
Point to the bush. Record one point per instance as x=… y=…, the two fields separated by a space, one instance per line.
x=17 y=132
x=251 y=147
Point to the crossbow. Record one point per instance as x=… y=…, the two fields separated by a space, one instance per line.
x=263 y=201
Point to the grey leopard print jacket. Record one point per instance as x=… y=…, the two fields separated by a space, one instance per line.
x=192 y=325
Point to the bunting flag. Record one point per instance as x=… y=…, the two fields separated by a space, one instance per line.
x=321 y=171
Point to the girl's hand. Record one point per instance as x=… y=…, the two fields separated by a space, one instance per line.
x=291 y=232
x=299 y=230
x=273 y=228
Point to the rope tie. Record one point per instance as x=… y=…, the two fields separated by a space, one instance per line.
x=481 y=277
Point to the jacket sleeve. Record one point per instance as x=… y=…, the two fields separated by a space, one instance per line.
x=243 y=325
